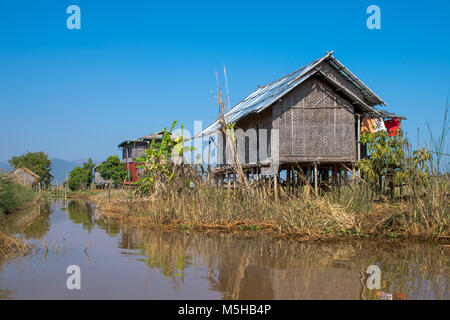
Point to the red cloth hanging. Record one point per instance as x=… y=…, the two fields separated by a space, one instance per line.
x=393 y=127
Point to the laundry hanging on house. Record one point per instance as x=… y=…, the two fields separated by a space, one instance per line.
x=378 y=125
x=367 y=125
x=393 y=127
x=372 y=125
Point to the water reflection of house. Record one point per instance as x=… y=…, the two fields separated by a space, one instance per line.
x=255 y=281
x=32 y=223
x=291 y=272
x=132 y=149
x=246 y=270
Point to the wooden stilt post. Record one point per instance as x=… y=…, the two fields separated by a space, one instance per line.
x=275 y=182
x=209 y=154
x=288 y=179
x=315 y=177
x=358 y=132
x=229 y=185
x=308 y=175
x=335 y=174
x=353 y=174
x=294 y=177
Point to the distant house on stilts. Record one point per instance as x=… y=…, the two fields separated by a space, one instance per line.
x=132 y=149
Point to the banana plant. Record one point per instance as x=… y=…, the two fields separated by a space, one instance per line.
x=159 y=160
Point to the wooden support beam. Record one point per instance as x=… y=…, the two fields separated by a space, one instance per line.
x=294 y=176
x=209 y=154
x=288 y=178
x=358 y=137
x=334 y=174
x=315 y=177
x=353 y=174
x=358 y=130
x=275 y=183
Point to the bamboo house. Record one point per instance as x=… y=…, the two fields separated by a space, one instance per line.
x=304 y=126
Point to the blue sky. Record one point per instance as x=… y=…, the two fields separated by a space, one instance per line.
x=135 y=66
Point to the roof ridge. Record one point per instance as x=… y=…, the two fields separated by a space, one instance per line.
x=27 y=170
x=277 y=80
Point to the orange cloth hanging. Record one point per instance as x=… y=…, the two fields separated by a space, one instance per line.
x=367 y=125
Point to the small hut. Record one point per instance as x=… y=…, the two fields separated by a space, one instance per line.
x=307 y=124
x=99 y=181
x=25 y=177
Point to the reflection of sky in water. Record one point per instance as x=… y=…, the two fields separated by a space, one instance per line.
x=131 y=264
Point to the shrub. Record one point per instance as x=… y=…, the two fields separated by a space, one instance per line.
x=13 y=195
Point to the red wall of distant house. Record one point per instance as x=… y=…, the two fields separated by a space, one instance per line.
x=133 y=172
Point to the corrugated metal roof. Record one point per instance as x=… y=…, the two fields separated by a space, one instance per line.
x=385 y=114
x=371 y=98
x=147 y=139
x=266 y=95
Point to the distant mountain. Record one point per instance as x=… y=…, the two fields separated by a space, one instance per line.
x=59 y=168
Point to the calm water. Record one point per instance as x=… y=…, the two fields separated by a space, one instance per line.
x=125 y=263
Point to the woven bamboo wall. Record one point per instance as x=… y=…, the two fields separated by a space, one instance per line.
x=134 y=150
x=257 y=122
x=315 y=124
x=260 y=121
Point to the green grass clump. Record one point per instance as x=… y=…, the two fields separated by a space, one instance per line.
x=13 y=195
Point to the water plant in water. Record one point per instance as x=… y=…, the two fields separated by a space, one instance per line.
x=10 y=245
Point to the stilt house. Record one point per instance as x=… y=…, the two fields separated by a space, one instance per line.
x=316 y=112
